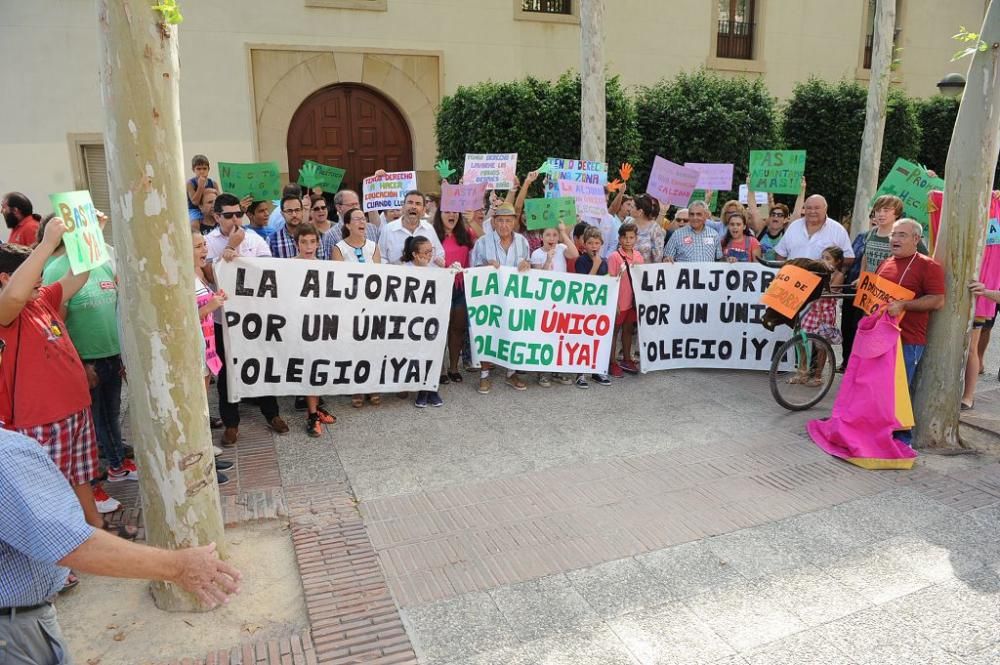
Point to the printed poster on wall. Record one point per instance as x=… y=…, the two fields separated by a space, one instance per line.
x=297 y=327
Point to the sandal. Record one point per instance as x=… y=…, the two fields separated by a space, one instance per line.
x=798 y=378
x=375 y=399
x=125 y=531
x=71 y=583
x=455 y=377
x=967 y=407
x=814 y=382
x=357 y=401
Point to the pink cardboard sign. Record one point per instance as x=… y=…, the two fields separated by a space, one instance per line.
x=462 y=198
x=212 y=359
x=590 y=199
x=671 y=183
x=717 y=177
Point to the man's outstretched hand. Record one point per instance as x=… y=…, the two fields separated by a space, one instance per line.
x=202 y=573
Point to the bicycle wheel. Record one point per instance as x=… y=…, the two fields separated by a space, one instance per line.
x=802 y=371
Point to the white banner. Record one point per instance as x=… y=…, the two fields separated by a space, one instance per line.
x=298 y=327
x=541 y=321
x=704 y=315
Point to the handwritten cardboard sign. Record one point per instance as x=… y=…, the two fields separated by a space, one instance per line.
x=387 y=192
x=577 y=170
x=590 y=201
x=912 y=183
x=84 y=239
x=461 y=198
x=671 y=183
x=496 y=170
x=314 y=174
x=790 y=290
x=260 y=180
x=875 y=291
x=547 y=213
x=777 y=171
x=759 y=197
x=713 y=176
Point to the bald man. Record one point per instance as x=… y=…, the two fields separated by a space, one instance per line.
x=806 y=238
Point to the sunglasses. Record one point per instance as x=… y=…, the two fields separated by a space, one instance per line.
x=229 y=215
x=318 y=208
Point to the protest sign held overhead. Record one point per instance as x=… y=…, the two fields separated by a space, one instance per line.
x=331 y=327
x=541 y=321
x=495 y=170
x=260 y=180
x=547 y=213
x=699 y=195
x=718 y=177
x=314 y=174
x=461 y=198
x=84 y=239
x=577 y=170
x=387 y=192
x=590 y=199
x=703 y=315
x=671 y=183
x=777 y=171
x=911 y=183
x=760 y=198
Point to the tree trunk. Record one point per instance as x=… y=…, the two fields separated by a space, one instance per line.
x=162 y=341
x=593 y=117
x=878 y=94
x=972 y=160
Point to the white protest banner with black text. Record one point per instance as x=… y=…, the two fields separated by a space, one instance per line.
x=299 y=327
x=704 y=315
x=541 y=321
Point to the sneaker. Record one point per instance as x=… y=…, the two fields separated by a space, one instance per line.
x=314 y=427
x=221 y=479
x=469 y=367
x=122 y=474
x=484 y=386
x=105 y=504
x=601 y=379
x=300 y=404
x=223 y=465
x=229 y=437
x=629 y=367
x=325 y=417
x=544 y=381
x=421 y=400
x=217 y=451
x=129 y=464
x=515 y=382
x=279 y=425
x=434 y=399
x=581 y=382
x=563 y=379
x=616 y=370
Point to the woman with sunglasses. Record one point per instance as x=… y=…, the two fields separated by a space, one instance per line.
x=357 y=248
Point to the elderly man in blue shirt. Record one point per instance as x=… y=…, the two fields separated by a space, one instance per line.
x=42 y=531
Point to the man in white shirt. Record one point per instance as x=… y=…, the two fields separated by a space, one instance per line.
x=394 y=235
x=229 y=240
x=806 y=238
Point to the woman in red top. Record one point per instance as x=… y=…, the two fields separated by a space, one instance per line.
x=457 y=240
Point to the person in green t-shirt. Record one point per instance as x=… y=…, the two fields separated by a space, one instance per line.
x=92 y=321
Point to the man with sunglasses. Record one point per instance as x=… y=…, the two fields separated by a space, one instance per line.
x=227 y=242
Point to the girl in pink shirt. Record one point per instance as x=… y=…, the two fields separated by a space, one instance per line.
x=619 y=262
x=457 y=240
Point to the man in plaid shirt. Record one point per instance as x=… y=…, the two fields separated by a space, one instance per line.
x=696 y=241
x=282 y=243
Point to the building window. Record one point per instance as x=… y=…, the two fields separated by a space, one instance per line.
x=90 y=172
x=870 y=31
x=564 y=7
x=736 y=29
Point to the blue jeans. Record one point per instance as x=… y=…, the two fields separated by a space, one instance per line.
x=106 y=407
x=912 y=353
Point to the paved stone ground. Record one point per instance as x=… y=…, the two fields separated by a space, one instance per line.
x=677 y=517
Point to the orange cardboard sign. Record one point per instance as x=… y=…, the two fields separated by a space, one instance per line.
x=875 y=291
x=790 y=290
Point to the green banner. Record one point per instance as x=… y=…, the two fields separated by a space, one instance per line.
x=912 y=183
x=547 y=213
x=777 y=171
x=84 y=239
x=314 y=174
x=699 y=195
x=261 y=181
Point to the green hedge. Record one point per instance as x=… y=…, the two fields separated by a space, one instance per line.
x=536 y=119
x=937 y=118
x=827 y=121
x=702 y=117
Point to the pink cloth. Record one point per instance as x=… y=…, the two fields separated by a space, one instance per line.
x=864 y=413
x=989 y=271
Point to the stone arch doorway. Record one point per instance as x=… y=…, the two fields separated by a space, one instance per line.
x=352 y=127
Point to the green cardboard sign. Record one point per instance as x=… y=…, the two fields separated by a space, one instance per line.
x=84 y=239
x=777 y=171
x=547 y=213
x=314 y=174
x=912 y=183
x=699 y=195
x=261 y=180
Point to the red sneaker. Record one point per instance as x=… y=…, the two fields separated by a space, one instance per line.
x=616 y=371
x=105 y=504
x=629 y=367
x=325 y=417
x=129 y=464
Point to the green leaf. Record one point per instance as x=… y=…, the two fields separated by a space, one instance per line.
x=170 y=11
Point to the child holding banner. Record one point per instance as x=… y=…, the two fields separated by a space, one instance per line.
x=419 y=253
x=591 y=263
x=619 y=262
x=552 y=255
x=307 y=241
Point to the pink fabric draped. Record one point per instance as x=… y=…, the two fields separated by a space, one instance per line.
x=989 y=271
x=863 y=420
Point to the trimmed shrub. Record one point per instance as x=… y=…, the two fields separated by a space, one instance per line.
x=536 y=119
x=703 y=117
x=827 y=120
x=937 y=118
